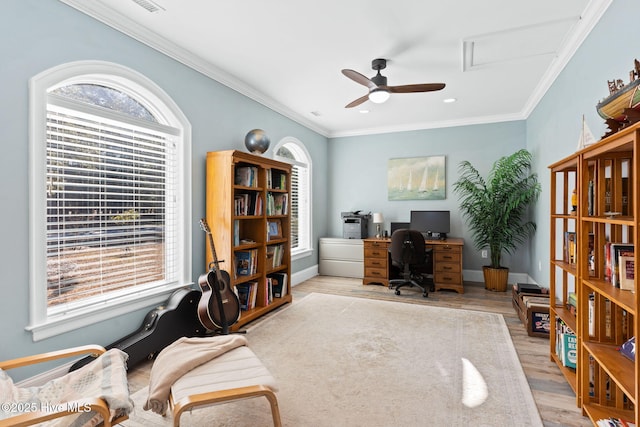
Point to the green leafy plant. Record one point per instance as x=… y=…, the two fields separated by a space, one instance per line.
x=496 y=208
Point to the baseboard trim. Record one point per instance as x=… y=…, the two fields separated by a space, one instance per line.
x=306 y=274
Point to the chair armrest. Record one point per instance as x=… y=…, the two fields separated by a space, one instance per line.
x=92 y=349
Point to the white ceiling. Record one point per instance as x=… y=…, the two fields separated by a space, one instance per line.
x=497 y=57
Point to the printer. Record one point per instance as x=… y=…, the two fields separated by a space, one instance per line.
x=355 y=225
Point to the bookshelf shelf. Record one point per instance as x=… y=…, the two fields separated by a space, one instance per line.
x=238 y=189
x=605 y=224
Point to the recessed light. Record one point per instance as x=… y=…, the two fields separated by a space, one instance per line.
x=363 y=111
x=449 y=100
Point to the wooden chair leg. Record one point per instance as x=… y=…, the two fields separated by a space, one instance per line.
x=222 y=396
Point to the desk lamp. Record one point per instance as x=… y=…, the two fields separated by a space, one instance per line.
x=377 y=220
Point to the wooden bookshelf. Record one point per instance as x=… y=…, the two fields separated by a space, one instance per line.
x=248 y=212
x=563 y=270
x=607 y=383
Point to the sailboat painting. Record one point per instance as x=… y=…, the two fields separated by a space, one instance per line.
x=417 y=178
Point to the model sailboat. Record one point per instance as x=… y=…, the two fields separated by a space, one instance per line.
x=586 y=137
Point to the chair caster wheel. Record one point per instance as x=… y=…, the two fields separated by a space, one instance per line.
x=397 y=292
x=425 y=295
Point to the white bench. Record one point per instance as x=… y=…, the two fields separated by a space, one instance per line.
x=236 y=374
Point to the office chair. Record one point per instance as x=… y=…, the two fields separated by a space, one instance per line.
x=408 y=252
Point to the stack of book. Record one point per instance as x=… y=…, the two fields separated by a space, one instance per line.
x=277 y=203
x=566 y=345
x=572 y=303
x=247 y=295
x=246 y=262
x=247 y=204
x=246 y=176
x=275 y=253
x=278 y=283
x=619 y=265
x=276 y=179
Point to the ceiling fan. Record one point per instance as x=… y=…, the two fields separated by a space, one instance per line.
x=379 y=92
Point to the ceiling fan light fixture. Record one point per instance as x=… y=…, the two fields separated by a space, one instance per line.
x=378 y=96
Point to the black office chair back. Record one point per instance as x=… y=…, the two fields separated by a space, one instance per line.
x=407 y=247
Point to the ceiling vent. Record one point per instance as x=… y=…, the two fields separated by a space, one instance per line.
x=515 y=44
x=149 y=5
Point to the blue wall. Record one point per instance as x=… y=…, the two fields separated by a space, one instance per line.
x=358 y=175
x=553 y=128
x=40 y=34
x=348 y=173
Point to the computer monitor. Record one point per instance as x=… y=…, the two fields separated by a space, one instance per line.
x=431 y=223
x=399 y=225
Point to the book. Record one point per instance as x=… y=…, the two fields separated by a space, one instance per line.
x=243 y=296
x=247 y=293
x=569 y=350
x=626 y=272
x=279 y=284
x=570 y=247
x=246 y=176
x=246 y=264
x=618 y=250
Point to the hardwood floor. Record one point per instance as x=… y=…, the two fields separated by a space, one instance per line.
x=555 y=400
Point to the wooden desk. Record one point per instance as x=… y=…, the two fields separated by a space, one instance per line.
x=376 y=261
x=447 y=262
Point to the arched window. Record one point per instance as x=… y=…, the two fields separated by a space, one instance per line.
x=292 y=151
x=108 y=212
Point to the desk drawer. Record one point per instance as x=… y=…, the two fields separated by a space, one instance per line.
x=446 y=257
x=381 y=262
x=448 y=267
x=375 y=252
x=448 y=248
x=444 y=277
x=373 y=272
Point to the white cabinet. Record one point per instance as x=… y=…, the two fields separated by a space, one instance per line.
x=341 y=257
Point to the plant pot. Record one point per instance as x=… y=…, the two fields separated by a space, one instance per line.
x=495 y=279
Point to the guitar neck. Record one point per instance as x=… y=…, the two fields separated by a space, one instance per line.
x=215 y=257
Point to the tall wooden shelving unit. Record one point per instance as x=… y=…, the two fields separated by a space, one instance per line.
x=563 y=272
x=234 y=232
x=607 y=383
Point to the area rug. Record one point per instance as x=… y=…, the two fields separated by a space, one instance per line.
x=343 y=361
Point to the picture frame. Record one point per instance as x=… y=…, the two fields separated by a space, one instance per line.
x=417 y=178
x=274 y=229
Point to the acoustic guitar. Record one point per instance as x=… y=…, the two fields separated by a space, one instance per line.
x=219 y=306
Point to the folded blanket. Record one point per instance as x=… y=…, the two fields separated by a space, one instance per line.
x=105 y=377
x=179 y=358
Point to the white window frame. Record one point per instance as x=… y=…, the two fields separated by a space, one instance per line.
x=41 y=324
x=305 y=249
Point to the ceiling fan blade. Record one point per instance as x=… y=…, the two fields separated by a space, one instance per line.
x=359 y=78
x=357 y=101
x=425 y=87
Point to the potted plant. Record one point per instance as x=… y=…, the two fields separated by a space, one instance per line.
x=496 y=209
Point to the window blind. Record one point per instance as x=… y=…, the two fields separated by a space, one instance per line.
x=111 y=205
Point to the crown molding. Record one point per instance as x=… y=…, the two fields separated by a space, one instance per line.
x=588 y=20
x=95 y=9
x=125 y=25
x=431 y=125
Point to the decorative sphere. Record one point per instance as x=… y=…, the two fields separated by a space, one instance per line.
x=257 y=141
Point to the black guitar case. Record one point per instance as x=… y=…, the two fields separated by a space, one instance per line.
x=161 y=326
